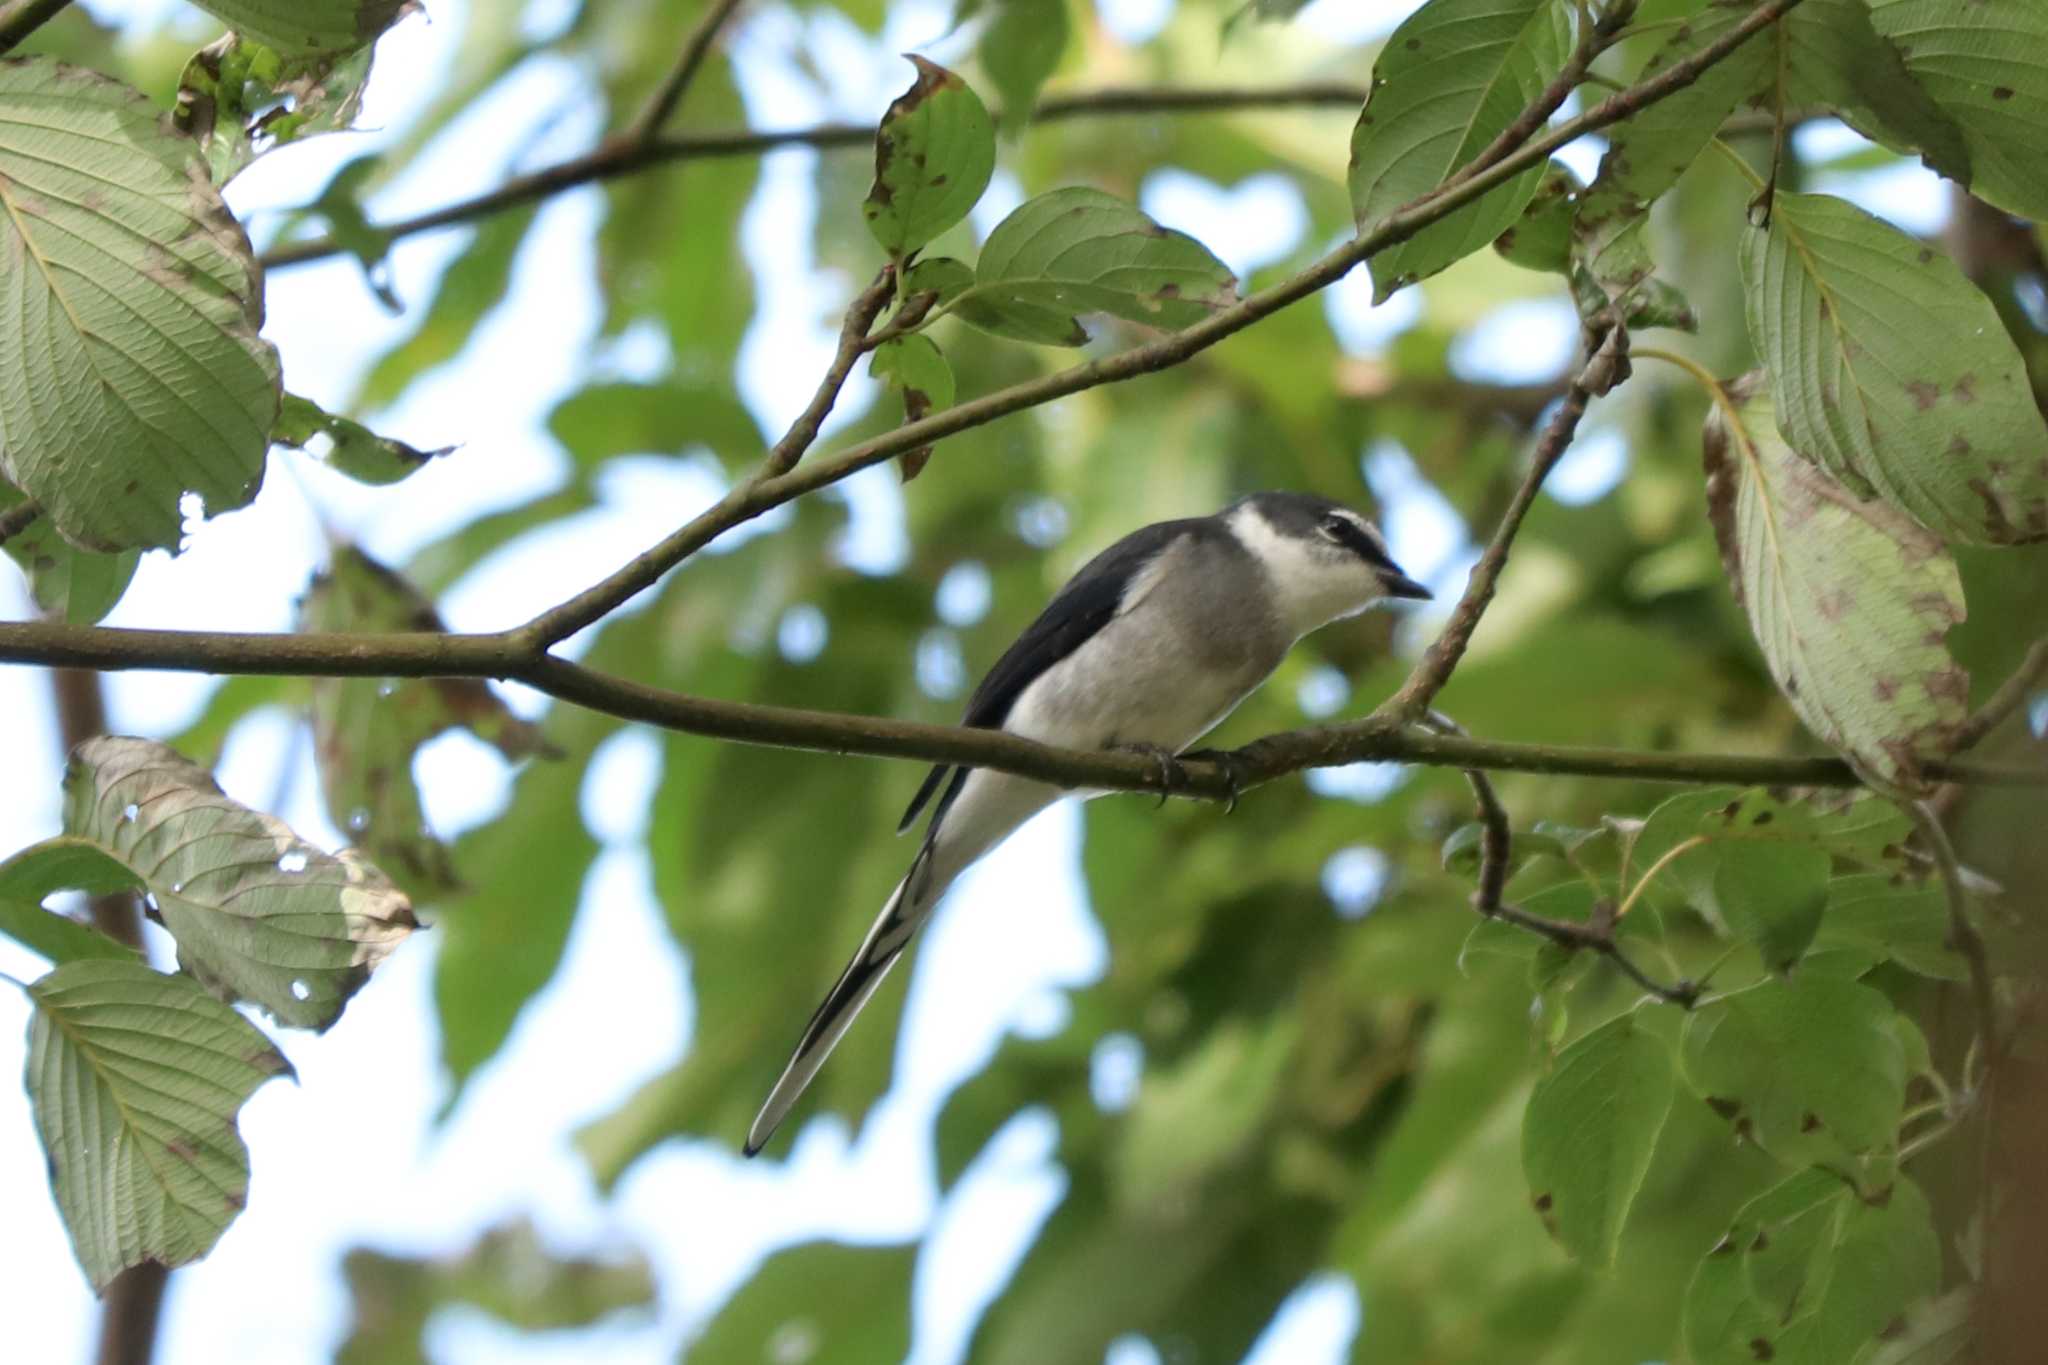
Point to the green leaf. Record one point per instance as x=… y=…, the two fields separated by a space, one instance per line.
x=367 y=730
x=1809 y=1274
x=607 y=420
x=1650 y=150
x=347 y=446
x=310 y=26
x=258 y=913
x=133 y=372
x=914 y=366
x=1020 y=49
x=1079 y=250
x=1893 y=371
x=69 y=584
x=1889 y=917
x=57 y=937
x=1849 y=599
x=239 y=99
x=1834 y=58
x=1983 y=63
x=1542 y=239
x=1938 y=1332
x=934 y=154
x=1771 y=895
x=854 y=1305
x=1448 y=81
x=508 y=1273
x=1194 y=1118
x=136 y=1078
x=940 y=275
x=1589 y=1131
x=1809 y=1068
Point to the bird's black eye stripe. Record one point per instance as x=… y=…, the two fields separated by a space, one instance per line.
x=1353 y=537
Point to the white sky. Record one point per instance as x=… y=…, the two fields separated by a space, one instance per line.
x=351 y=1155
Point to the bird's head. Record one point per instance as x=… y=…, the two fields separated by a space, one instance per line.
x=1325 y=561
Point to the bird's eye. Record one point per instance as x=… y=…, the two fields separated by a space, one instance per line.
x=1333 y=528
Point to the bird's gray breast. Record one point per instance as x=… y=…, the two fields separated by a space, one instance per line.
x=1197 y=630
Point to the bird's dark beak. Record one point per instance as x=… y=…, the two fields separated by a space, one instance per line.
x=1399 y=584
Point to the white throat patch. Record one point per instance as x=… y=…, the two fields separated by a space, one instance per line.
x=1311 y=587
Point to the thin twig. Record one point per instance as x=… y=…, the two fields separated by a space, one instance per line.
x=622 y=157
x=24 y=17
x=662 y=103
x=1436 y=665
x=1962 y=930
x=853 y=335
x=752 y=499
x=17 y=519
x=2011 y=695
x=1594 y=38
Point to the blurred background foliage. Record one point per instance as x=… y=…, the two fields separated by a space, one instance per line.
x=1288 y=1067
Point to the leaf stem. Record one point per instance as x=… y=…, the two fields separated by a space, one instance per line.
x=1650 y=873
x=23 y=17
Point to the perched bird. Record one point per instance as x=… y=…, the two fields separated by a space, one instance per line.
x=1148 y=647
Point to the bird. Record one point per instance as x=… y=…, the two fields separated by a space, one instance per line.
x=1147 y=648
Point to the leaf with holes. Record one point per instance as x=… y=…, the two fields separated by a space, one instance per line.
x=934 y=154
x=367 y=730
x=131 y=372
x=1893 y=371
x=1810 y=1274
x=1079 y=250
x=259 y=914
x=1589 y=1131
x=1985 y=63
x=1850 y=600
x=1810 y=1069
x=310 y=26
x=1448 y=82
x=239 y=99
x=136 y=1078
x=69 y=584
x=348 y=446
x=914 y=365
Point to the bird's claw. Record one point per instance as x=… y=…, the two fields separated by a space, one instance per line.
x=1233 y=772
x=1171 y=773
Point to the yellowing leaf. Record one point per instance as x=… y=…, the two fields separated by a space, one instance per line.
x=1849 y=598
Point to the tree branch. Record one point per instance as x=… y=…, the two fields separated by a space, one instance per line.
x=1601 y=371
x=646 y=126
x=512 y=656
x=853 y=337
x=1962 y=930
x=755 y=497
x=2011 y=696
x=24 y=17
x=623 y=156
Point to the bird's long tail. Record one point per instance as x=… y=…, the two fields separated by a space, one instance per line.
x=908 y=906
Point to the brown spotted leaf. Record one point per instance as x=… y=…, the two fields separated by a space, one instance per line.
x=934 y=154
x=136 y=1078
x=1893 y=371
x=239 y=99
x=131 y=369
x=366 y=730
x=1850 y=599
x=914 y=365
x=259 y=914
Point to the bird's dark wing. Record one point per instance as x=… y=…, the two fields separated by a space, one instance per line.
x=1088 y=602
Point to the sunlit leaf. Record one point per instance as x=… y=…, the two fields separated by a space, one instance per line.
x=934 y=154
x=310 y=26
x=347 y=445
x=239 y=99
x=1079 y=251
x=133 y=372
x=136 y=1078
x=1590 y=1128
x=1449 y=81
x=1892 y=371
x=258 y=913
x=1849 y=599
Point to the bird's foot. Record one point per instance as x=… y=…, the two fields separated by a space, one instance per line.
x=1233 y=771
x=1171 y=773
